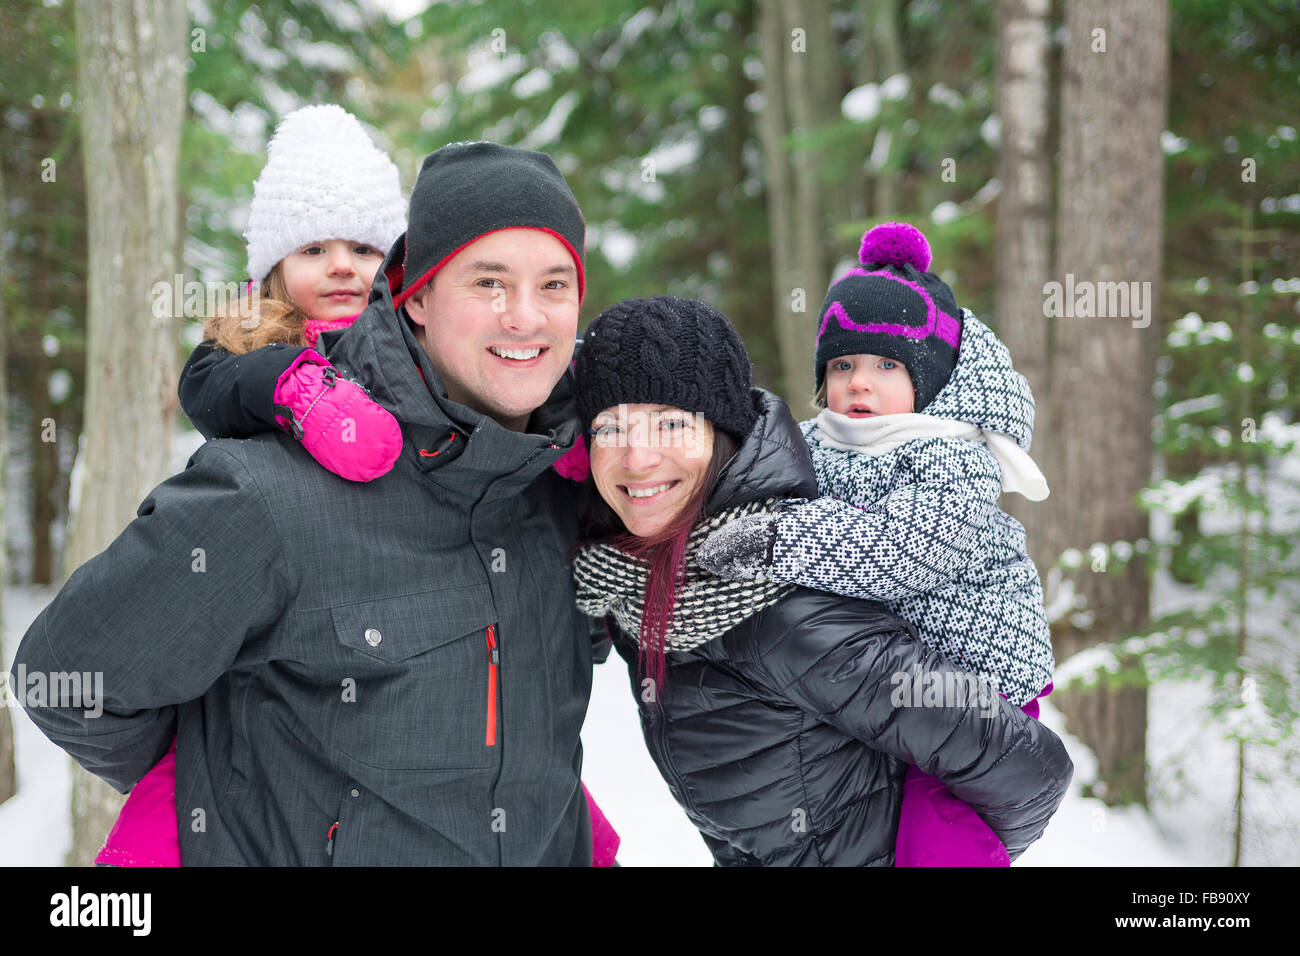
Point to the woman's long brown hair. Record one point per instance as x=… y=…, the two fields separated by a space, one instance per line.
x=267 y=316
x=665 y=553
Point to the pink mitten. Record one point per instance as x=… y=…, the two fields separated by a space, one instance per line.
x=145 y=833
x=574 y=463
x=336 y=421
x=604 y=841
x=937 y=829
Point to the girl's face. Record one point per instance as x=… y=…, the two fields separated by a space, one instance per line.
x=331 y=279
x=647 y=461
x=863 y=386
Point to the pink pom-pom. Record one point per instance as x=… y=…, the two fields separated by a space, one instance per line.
x=895 y=244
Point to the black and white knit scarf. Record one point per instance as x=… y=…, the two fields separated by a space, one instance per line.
x=610 y=581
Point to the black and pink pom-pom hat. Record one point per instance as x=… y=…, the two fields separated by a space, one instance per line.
x=893 y=308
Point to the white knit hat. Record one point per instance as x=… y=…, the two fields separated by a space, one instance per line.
x=324 y=179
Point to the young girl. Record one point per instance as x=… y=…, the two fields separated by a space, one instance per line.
x=325 y=210
x=924 y=424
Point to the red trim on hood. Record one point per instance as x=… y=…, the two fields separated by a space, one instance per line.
x=394 y=275
x=400 y=297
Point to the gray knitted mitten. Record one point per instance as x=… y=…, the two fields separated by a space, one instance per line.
x=741 y=550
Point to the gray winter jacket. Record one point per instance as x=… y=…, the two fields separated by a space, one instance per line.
x=392 y=673
x=919 y=528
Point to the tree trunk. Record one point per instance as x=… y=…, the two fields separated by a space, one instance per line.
x=52 y=227
x=34 y=382
x=805 y=100
x=882 y=19
x=1110 y=211
x=1245 y=546
x=1024 y=228
x=731 y=200
x=45 y=468
x=132 y=91
x=774 y=126
x=8 y=774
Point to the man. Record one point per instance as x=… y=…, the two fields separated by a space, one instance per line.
x=383 y=673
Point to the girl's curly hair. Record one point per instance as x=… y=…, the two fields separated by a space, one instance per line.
x=268 y=316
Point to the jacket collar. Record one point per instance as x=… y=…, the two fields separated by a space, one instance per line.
x=772 y=462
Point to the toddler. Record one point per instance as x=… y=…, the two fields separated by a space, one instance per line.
x=924 y=423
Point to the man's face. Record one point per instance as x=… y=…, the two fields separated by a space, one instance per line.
x=499 y=322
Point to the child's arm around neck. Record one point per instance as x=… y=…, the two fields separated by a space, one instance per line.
x=232 y=396
x=915 y=538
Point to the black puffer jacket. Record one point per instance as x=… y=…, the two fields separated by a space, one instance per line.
x=779 y=738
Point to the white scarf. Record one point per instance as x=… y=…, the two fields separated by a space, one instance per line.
x=881 y=433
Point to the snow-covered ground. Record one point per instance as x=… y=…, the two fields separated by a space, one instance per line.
x=34 y=824
x=1192 y=779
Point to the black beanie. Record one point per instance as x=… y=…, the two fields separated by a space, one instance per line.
x=467 y=190
x=666 y=351
x=893 y=308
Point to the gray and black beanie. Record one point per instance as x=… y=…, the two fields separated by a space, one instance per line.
x=666 y=351
x=466 y=191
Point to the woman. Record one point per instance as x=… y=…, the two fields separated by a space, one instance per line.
x=781 y=718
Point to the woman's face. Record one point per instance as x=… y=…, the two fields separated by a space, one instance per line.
x=647 y=461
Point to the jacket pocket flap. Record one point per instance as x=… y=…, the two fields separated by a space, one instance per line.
x=396 y=628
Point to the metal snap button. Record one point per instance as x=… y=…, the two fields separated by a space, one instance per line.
x=373 y=637
x=356 y=793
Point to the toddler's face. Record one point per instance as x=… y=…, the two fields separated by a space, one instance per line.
x=863 y=386
x=331 y=279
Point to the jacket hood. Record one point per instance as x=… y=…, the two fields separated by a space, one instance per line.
x=380 y=351
x=772 y=462
x=984 y=389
